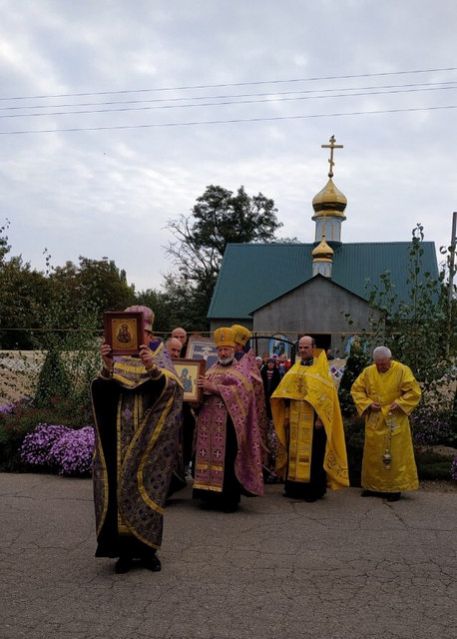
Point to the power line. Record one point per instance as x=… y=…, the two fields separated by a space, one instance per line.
x=228 y=103
x=234 y=121
x=225 y=96
x=233 y=84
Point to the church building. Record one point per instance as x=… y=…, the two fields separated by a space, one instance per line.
x=320 y=288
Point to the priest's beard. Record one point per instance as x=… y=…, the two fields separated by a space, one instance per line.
x=225 y=361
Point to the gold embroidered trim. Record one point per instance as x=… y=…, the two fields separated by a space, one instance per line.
x=214 y=489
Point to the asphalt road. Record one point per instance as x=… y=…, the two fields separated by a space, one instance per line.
x=343 y=568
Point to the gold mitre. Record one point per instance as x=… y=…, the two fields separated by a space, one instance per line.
x=241 y=334
x=224 y=336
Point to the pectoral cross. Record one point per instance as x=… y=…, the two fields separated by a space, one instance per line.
x=331 y=146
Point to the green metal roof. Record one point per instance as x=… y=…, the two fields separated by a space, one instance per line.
x=252 y=275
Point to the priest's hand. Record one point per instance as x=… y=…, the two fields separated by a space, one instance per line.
x=375 y=407
x=318 y=423
x=207 y=387
x=107 y=356
x=147 y=357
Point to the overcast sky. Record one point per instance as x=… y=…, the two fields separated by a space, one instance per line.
x=108 y=186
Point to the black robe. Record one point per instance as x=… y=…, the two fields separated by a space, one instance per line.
x=136 y=436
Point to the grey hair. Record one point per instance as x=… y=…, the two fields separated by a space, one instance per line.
x=382 y=351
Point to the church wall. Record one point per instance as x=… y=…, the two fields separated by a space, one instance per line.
x=319 y=306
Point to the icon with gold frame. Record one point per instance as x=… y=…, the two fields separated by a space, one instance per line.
x=124 y=332
x=188 y=371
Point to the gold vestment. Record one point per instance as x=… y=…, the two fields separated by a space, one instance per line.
x=388 y=458
x=310 y=390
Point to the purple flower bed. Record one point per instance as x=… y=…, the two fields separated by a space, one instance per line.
x=36 y=446
x=72 y=452
x=432 y=429
x=64 y=449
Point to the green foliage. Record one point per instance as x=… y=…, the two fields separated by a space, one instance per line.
x=35 y=304
x=71 y=363
x=53 y=381
x=164 y=306
x=4 y=246
x=186 y=305
x=438 y=471
x=24 y=293
x=453 y=419
x=218 y=218
x=99 y=285
x=433 y=466
x=355 y=364
x=415 y=330
x=418 y=332
x=221 y=217
x=61 y=317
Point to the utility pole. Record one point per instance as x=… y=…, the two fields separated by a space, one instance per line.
x=452 y=270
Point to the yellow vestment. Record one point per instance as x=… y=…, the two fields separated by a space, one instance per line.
x=387 y=433
x=310 y=390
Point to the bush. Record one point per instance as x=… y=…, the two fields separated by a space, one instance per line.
x=53 y=381
x=72 y=453
x=430 y=465
x=17 y=420
x=37 y=445
x=56 y=447
x=355 y=364
x=439 y=469
x=432 y=429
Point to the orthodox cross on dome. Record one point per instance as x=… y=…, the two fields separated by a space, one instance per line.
x=331 y=146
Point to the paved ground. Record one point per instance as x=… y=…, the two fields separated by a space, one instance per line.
x=342 y=568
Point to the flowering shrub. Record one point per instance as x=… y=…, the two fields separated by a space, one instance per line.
x=433 y=429
x=432 y=422
x=454 y=469
x=64 y=449
x=72 y=452
x=37 y=445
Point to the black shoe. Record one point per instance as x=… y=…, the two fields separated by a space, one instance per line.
x=393 y=496
x=368 y=493
x=122 y=565
x=230 y=508
x=207 y=505
x=152 y=563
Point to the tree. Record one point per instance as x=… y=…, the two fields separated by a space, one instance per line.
x=24 y=293
x=218 y=218
x=39 y=307
x=415 y=329
x=95 y=285
x=162 y=305
x=4 y=246
x=53 y=382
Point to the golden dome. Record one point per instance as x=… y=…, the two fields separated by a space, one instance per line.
x=329 y=202
x=323 y=252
